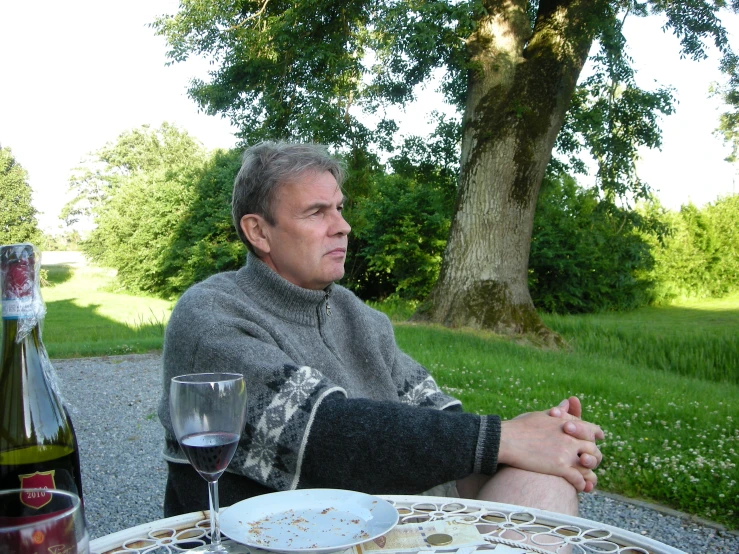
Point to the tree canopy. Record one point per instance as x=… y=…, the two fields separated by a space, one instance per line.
x=139 y=151
x=138 y=190
x=326 y=70
x=18 y=216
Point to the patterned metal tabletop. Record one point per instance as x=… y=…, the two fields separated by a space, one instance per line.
x=504 y=528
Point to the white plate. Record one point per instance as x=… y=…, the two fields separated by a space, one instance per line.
x=310 y=520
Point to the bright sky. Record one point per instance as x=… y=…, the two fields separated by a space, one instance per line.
x=77 y=74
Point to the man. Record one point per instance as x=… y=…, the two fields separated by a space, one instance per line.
x=333 y=402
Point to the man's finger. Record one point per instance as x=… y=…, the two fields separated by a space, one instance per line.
x=575 y=406
x=588 y=475
x=583 y=430
x=575 y=478
x=589 y=455
x=590 y=478
x=584 y=480
x=568 y=407
x=589 y=461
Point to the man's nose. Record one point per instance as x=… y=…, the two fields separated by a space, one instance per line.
x=341 y=227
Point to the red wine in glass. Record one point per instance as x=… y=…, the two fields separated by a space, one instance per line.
x=210 y=453
x=207 y=412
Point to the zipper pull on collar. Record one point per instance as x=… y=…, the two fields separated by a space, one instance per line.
x=328 y=307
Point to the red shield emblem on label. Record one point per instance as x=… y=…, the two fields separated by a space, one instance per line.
x=38 y=480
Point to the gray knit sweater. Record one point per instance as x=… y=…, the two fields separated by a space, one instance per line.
x=332 y=400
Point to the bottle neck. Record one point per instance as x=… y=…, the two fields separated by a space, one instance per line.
x=16 y=331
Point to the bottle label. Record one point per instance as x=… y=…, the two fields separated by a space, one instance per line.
x=18 y=281
x=39 y=480
x=44 y=523
x=17 y=471
x=18 y=308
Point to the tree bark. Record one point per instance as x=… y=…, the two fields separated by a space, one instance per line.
x=519 y=90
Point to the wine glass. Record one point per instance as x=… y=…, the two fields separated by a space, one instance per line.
x=42 y=520
x=207 y=411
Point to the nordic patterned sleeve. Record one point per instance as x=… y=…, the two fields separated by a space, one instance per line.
x=272 y=449
x=417 y=387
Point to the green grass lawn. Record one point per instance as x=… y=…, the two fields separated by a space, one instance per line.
x=86 y=316
x=695 y=339
x=662 y=382
x=670 y=438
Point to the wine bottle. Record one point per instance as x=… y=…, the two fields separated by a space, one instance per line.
x=38 y=446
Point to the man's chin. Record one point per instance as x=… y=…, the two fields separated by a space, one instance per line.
x=336 y=274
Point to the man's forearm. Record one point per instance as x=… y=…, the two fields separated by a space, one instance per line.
x=387 y=447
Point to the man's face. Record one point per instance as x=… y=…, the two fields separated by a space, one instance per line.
x=307 y=244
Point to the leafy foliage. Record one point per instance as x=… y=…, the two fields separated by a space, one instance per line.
x=587 y=254
x=698 y=256
x=203 y=240
x=139 y=195
x=18 y=216
x=724 y=215
x=292 y=67
x=401 y=221
x=166 y=225
x=304 y=70
x=140 y=151
x=402 y=244
x=314 y=70
x=613 y=122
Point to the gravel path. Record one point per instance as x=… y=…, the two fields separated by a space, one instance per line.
x=113 y=402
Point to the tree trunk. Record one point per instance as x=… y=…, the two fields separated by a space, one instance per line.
x=520 y=87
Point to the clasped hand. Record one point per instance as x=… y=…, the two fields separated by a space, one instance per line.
x=554 y=442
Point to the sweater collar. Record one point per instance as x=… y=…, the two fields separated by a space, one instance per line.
x=278 y=295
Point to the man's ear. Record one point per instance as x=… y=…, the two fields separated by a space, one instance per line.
x=256 y=231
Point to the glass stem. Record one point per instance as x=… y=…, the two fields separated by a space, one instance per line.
x=215 y=527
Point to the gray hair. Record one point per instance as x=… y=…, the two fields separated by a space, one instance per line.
x=265 y=167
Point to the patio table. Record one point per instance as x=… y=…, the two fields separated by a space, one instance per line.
x=505 y=528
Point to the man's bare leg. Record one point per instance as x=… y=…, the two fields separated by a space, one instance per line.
x=535 y=490
x=522 y=488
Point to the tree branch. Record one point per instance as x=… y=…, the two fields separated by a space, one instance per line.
x=255 y=15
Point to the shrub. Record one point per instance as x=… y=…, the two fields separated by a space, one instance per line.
x=401 y=224
x=698 y=256
x=586 y=253
x=204 y=241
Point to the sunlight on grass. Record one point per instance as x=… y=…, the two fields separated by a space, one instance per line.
x=86 y=316
x=728 y=303
x=699 y=339
x=93 y=287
